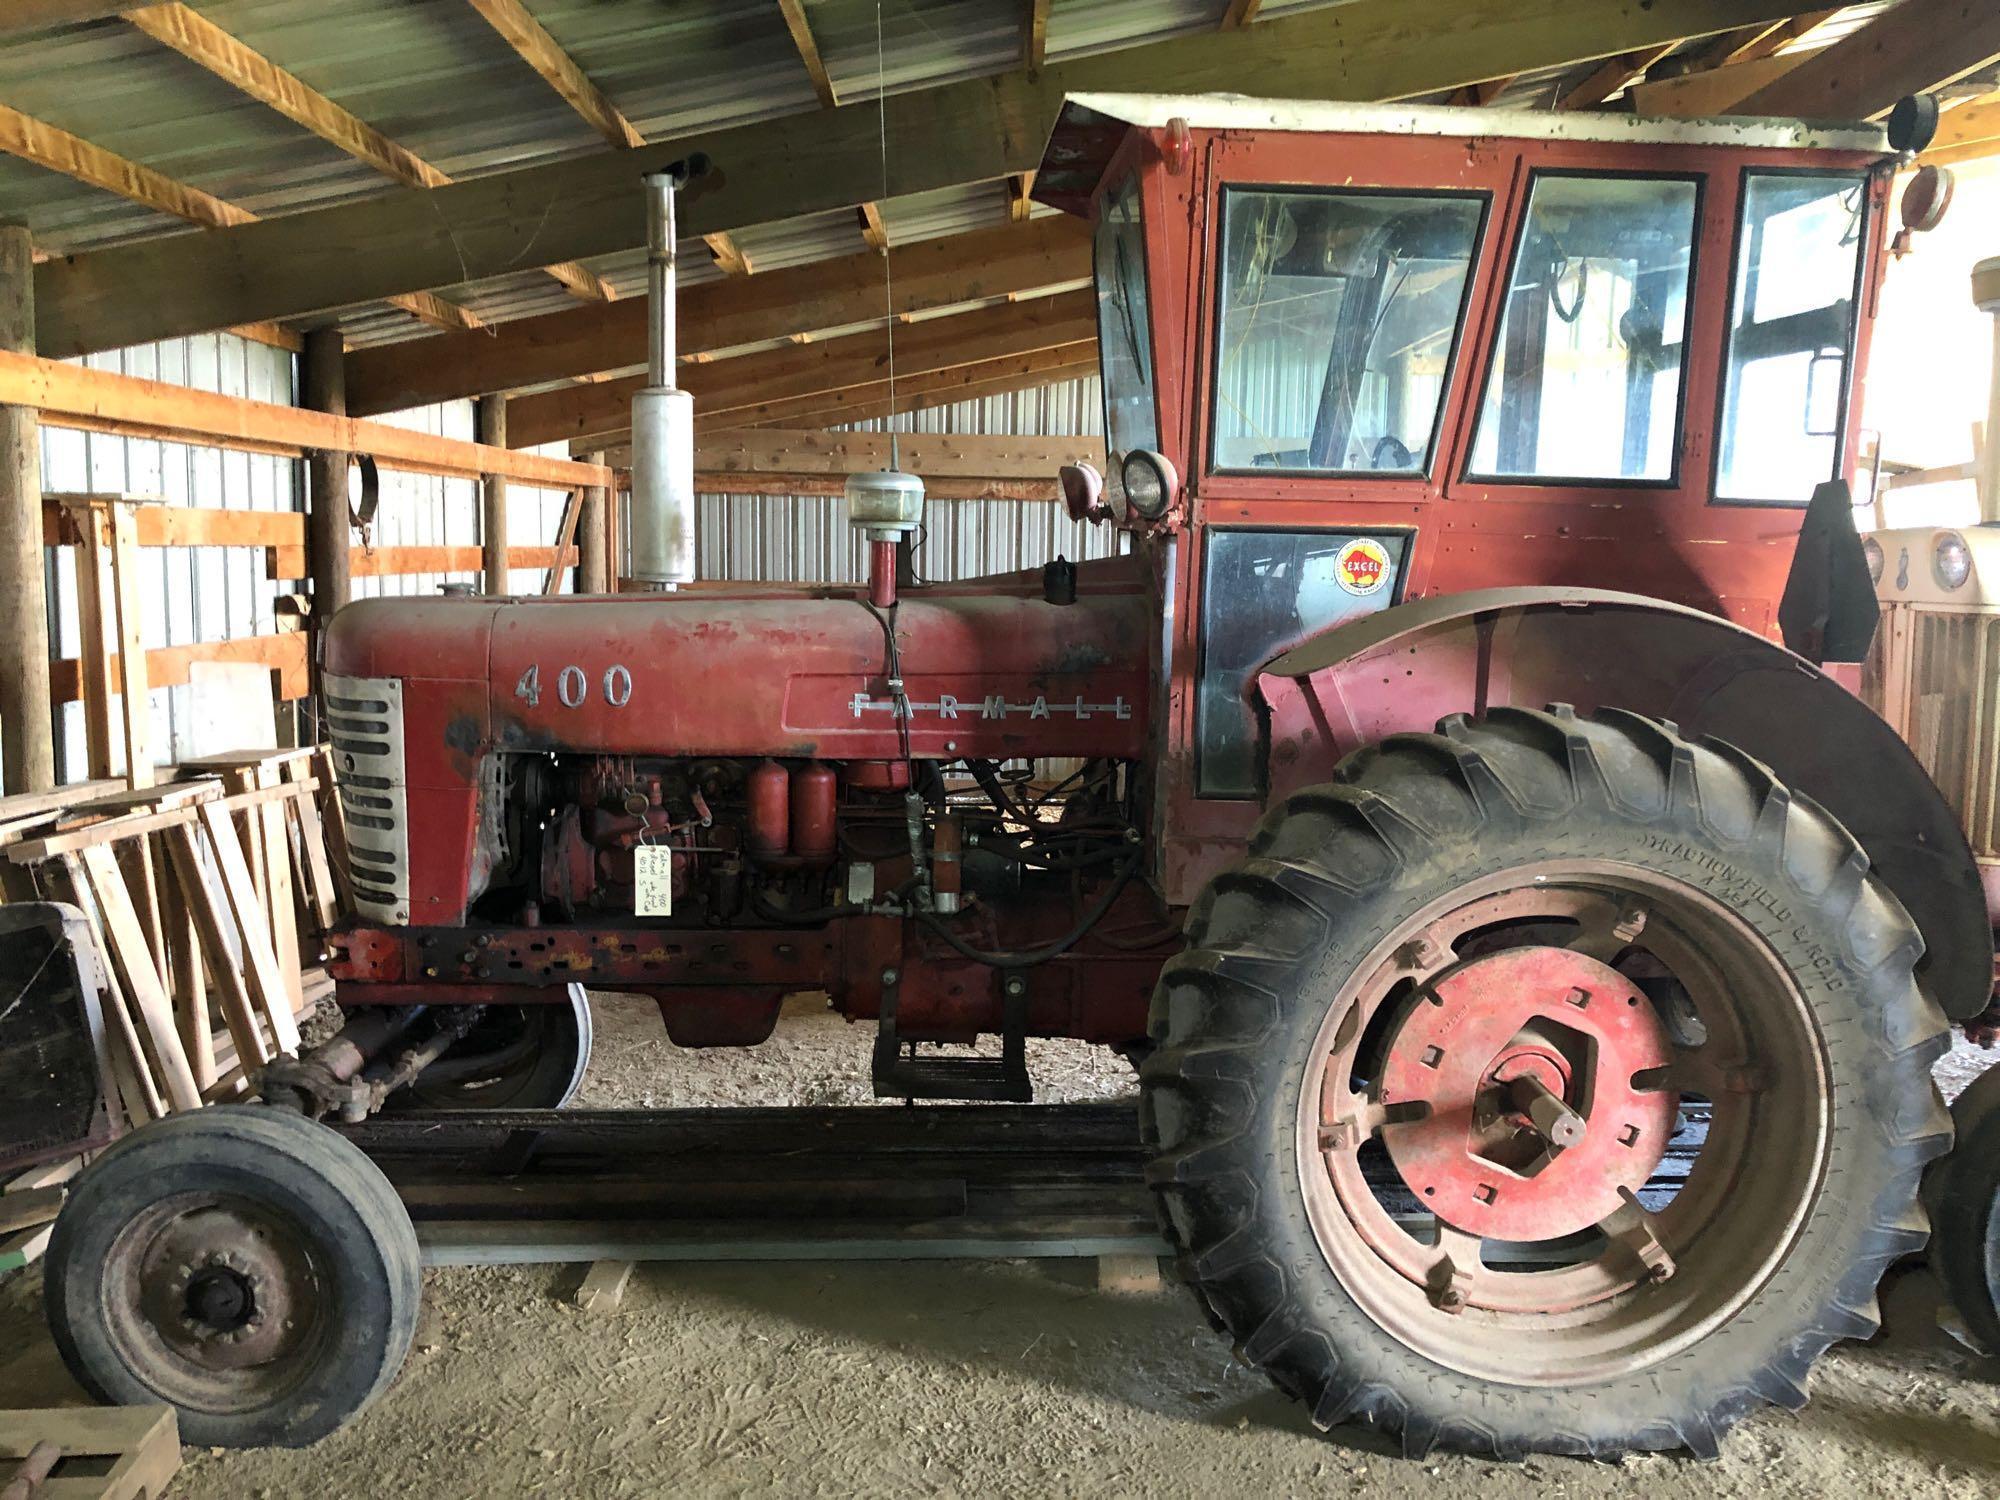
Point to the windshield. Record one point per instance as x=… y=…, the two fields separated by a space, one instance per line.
x=1124 y=338
x=1340 y=313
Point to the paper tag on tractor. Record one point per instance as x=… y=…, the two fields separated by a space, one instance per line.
x=652 y=881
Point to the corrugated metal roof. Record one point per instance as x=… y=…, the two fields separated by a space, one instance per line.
x=433 y=76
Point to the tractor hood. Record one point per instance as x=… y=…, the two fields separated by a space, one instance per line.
x=990 y=670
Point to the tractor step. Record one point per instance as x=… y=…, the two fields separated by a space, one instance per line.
x=899 y=1073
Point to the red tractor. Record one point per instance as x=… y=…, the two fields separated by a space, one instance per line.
x=1448 y=832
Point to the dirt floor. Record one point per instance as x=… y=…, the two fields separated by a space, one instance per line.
x=958 y=1378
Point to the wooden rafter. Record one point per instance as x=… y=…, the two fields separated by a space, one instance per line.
x=802 y=38
x=1021 y=197
x=1240 y=13
x=1035 y=34
x=972 y=130
x=558 y=69
x=1714 y=91
x=729 y=257
x=1748 y=43
x=916 y=392
x=248 y=71
x=1479 y=95
x=929 y=275
x=47 y=146
x=830 y=365
x=1611 y=75
x=1966 y=132
x=1918 y=46
x=873 y=231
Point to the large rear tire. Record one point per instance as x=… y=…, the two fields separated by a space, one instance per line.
x=1963 y=1192
x=1696 y=969
x=249 y=1268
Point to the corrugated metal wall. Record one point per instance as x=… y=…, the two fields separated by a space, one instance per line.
x=423 y=510
x=806 y=538
x=188 y=594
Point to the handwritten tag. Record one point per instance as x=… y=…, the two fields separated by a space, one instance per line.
x=653 y=881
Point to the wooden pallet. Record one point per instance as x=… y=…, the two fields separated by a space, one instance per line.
x=88 y=1453
x=209 y=896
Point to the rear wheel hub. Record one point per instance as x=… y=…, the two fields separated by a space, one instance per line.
x=1510 y=1086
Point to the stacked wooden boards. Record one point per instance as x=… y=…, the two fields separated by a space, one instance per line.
x=202 y=895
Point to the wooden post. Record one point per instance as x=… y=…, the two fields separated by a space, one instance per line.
x=490 y=416
x=27 y=722
x=325 y=372
x=593 y=540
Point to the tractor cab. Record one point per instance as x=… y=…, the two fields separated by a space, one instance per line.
x=1357 y=356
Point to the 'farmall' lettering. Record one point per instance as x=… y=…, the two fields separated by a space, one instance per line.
x=994 y=706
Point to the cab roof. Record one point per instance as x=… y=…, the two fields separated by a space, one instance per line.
x=1092 y=126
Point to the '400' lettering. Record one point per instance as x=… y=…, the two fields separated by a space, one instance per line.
x=573 y=686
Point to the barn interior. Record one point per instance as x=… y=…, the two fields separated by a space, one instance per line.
x=414 y=308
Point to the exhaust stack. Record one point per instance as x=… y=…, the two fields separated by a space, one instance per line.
x=663 y=414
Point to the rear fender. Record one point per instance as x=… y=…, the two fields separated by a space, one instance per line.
x=1407 y=667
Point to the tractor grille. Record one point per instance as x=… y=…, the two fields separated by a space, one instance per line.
x=364 y=719
x=1954 y=715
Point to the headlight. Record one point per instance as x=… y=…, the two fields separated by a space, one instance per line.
x=1150 y=483
x=1951 y=560
x=1872 y=550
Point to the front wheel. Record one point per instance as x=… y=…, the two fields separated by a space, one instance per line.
x=242 y=1264
x=1544 y=1085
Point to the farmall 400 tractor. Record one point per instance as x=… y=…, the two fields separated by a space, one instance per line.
x=1448 y=815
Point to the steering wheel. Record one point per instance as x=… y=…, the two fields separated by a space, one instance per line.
x=1395 y=451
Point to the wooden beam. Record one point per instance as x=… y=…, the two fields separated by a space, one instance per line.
x=1913 y=48
x=540 y=51
x=975 y=130
x=927 y=275
x=1612 y=75
x=1021 y=197
x=874 y=232
x=729 y=259
x=209 y=47
x=1479 y=95
x=172 y=666
x=47 y=146
x=855 y=359
x=1035 y=34
x=1748 y=43
x=783 y=450
x=70 y=395
x=802 y=38
x=959 y=487
x=1240 y=13
x=248 y=71
x=1695 y=96
x=914 y=392
x=1966 y=132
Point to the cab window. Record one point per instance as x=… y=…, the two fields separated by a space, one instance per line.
x=1585 y=381
x=1340 y=312
x=1263 y=592
x=1791 y=335
x=1124 y=336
